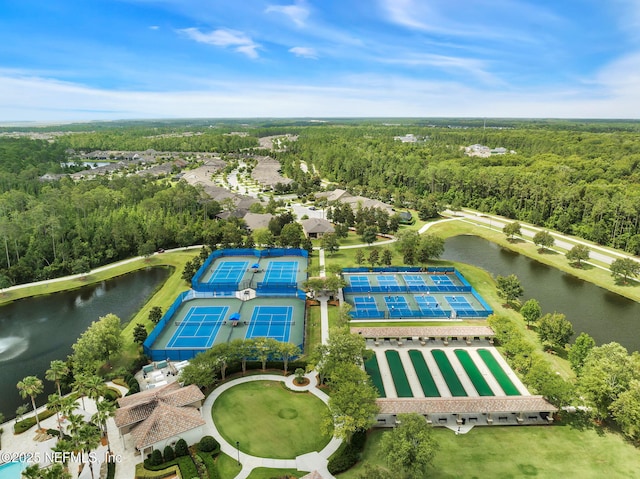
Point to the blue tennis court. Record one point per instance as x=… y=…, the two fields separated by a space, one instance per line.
x=281 y=272
x=365 y=303
x=428 y=305
x=397 y=306
x=414 y=280
x=229 y=272
x=271 y=322
x=386 y=280
x=441 y=280
x=199 y=327
x=359 y=281
x=459 y=303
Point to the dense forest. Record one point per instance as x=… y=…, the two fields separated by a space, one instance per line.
x=49 y=229
x=580 y=178
x=574 y=181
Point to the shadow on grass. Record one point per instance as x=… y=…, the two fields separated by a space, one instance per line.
x=548 y=252
x=625 y=282
x=581 y=421
x=582 y=266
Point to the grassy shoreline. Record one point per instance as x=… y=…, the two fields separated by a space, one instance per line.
x=599 y=277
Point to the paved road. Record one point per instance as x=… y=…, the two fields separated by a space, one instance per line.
x=598 y=253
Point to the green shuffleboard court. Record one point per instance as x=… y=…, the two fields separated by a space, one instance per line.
x=397 y=373
x=474 y=373
x=449 y=375
x=373 y=370
x=424 y=375
x=505 y=383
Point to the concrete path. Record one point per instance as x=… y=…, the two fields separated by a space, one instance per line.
x=597 y=252
x=313 y=461
x=324 y=311
x=412 y=377
x=36 y=448
x=461 y=373
x=385 y=373
x=486 y=373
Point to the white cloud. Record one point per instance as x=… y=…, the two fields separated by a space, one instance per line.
x=222 y=37
x=33 y=98
x=305 y=52
x=154 y=27
x=298 y=12
x=472 y=66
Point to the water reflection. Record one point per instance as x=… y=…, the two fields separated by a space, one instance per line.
x=35 y=331
x=604 y=315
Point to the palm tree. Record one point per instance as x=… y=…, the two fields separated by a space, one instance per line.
x=95 y=387
x=1 y=429
x=81 y=386
x=76 y=421
x=88 y=438
x=67 y=406
x=31 y=386
x=21 y=411
x=54 y=403
x=58 y=370
x=106 y=409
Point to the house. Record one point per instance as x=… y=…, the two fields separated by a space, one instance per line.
x=342 y=196
x=316 y=227
x=406 y=218
x=256 y=221
x=159 y=417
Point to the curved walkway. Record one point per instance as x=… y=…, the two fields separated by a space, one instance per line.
x=313 y=461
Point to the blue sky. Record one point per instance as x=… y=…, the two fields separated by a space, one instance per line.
x=116 y=59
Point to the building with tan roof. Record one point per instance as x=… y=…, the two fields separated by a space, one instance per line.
x=159 y=417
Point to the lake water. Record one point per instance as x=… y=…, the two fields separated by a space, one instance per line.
x=35 y=331
x=604 y=315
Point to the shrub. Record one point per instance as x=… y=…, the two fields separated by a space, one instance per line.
x=28 y=423
x=181 y=448
x=111 y=470
x=111 y=394
x=156 y=458
x=207 y=444
x=347 y=454
x=168 y=453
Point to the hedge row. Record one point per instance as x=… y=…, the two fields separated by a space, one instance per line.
x=347 y=454
x=28 y=423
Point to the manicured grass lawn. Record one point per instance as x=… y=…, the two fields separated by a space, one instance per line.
x=589 y=273
x=568 y=451
x=266 y=473
x=227 y=466
x=270 y=421
x=313 y=329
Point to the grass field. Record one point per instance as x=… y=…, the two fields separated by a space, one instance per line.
x=598 y=276
x=266 y=473
x=568 y=451
x=270 y=421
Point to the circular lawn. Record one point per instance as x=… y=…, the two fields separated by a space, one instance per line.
x=270 y=421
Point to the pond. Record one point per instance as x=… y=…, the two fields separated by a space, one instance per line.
x=35 y=331
x=604 y=315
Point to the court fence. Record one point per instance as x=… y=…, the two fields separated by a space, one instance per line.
x=413 y=288
x=166 y=317
x=197 y=285
x=417 y=314
x=401 y=269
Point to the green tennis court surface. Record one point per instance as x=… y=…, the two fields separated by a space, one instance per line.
x=424 y=375
x=449 y=375
x=474 y=373
x=503 y=379
x=373 y=370
x=397 y=373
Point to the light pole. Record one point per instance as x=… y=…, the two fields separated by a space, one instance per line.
x=238 y=448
